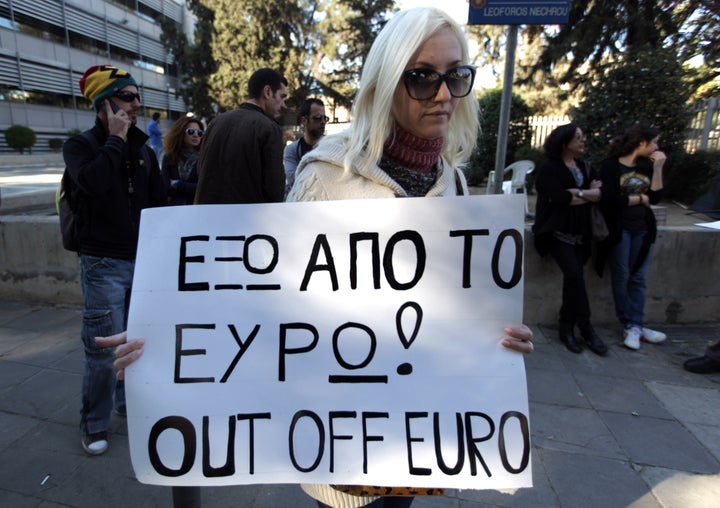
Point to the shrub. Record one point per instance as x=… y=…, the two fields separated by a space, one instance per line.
x=20 y=137
x=647 y=85
x=688 y=176
x=55 y=144
x=519 y=134
x=73 y=132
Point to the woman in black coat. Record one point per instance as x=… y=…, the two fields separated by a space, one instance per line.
x=179 y=165
x=566 y=186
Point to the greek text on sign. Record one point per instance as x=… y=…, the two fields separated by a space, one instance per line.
x=342 y=342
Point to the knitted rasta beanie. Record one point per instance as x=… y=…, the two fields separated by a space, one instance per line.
x=102 y=81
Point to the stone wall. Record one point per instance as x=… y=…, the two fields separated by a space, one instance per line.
x=683 y=280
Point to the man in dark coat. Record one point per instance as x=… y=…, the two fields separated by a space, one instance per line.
x=241 y=154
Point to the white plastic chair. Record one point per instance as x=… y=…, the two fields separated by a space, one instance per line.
x=520 y=170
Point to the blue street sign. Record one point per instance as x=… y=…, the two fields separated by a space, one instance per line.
x=518 y=12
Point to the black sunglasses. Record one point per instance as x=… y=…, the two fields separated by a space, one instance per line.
x=192 y=131
x=127 y=96
x=424 y=84
x=320 y=118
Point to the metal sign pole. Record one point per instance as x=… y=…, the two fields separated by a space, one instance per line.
x=506 y=101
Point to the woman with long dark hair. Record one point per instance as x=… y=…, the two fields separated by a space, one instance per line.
x=632 y=181
x=179 y=165
x=566 y=186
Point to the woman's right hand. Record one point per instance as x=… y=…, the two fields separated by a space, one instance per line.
x=125 y=352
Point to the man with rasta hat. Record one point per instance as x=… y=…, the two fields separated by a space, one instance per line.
x=114 y=176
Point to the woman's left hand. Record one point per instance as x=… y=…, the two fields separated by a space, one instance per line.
x=518 y=338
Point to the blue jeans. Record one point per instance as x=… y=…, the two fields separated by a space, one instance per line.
x=106 y=284
x=629 y=287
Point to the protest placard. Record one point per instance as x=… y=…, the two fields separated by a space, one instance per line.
x=342 y=342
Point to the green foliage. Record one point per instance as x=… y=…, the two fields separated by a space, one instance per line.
x=20 y=137
x=688 y=176
x=519 y=134
x=598 y=32
x=298 y=39
x=55 y=144
x=193 y=59
x=352 y=26
x=644 y=86
x=73 y=132
x=254 y=34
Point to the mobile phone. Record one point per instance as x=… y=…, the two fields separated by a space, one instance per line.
x=113 y=106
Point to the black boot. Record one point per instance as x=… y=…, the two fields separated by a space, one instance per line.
x=567 y=337
x=594 y=342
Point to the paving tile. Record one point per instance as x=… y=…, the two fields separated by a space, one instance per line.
x=552 y=387
x=12 y=338
x=621 y=395
x=12 y=374
x=25 y=469
x=588 y=448
x=9 y=311
x=663 y=443
x=708 y=435
x=540 y=494
x=589 y=363
x=678 y=488
x=595 y=482
x=688 y=404
x=572 y=430
x=15 y=500
x=40 y=394
x=46 y=319
x=13 y=427
x=42 y=349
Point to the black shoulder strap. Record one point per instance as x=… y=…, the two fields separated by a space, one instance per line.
x=458 y=183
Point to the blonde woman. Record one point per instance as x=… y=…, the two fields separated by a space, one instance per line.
x=415 y=122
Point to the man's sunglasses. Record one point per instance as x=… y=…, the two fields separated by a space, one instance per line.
x=192 y=131
x=127 y=96
x=320 y=118
x=424 y=84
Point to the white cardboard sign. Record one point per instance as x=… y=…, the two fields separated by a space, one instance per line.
x=342 y=342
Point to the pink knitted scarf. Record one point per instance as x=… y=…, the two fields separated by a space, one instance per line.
x=411 y=152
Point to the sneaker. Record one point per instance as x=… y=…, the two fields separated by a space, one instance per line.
x=652 y=336
x=632 y=338
x=121 y=411
x=95 y=444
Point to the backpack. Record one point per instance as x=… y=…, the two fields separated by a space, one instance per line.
x=67 y=200
x=66 y=203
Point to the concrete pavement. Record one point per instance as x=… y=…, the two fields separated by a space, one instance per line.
x=630 y=429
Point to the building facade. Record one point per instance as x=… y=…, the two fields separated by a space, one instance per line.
x=46 y=45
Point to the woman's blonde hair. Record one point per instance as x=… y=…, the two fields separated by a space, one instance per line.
x=393 y=48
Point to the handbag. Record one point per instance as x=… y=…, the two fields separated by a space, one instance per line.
x=371 y=490
x=598 y=225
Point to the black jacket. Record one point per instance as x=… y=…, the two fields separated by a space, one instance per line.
x=114 y=184
x=241 y=159
x=553 y=211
